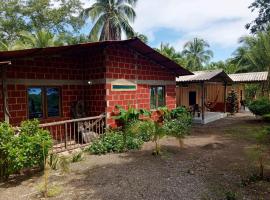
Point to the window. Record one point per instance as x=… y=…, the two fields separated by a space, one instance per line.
x=43 y=102
x=157 y=96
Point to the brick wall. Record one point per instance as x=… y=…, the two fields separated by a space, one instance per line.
x=99 y=67
x=123 y=63
x=59 y=68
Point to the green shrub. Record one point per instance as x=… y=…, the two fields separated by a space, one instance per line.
x=134 y=143
x=24 y=150
x=232 y=100
x=178 y=112
x=260 y=107
x=180 y=126
x=140 y=129
x=113 y=141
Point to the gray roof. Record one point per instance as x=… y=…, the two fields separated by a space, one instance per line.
x=201 y=76
x=249 y=77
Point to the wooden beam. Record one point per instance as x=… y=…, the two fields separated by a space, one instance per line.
x=4 y=93
x=202 y=101
x=225 y=97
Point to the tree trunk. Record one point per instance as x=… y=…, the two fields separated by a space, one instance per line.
x=181 y=142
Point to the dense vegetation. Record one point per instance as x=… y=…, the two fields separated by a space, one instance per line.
x=21 y=150
x=138 y=127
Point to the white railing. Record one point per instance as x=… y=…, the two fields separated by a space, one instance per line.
x=75 y=133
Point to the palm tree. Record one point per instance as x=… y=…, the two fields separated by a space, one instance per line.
x=254 y=54
x=226 y=65
x=111 y=18
x=197 y=54
x=39 y=39
x=170 y=52
x=17 y=45
x=142 y=37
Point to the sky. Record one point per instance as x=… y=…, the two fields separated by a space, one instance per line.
x=220 y=22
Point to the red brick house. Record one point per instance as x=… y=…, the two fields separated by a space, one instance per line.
x=46 y=83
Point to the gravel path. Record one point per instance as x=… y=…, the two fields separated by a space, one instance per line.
x=210 y=165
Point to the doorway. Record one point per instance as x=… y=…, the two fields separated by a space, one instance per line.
x=192 y=98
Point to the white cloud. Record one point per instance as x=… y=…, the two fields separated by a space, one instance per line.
x=221 y=22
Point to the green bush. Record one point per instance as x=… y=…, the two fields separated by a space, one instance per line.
x=113 y=141
x=140 y=129
x=260 y=107
x=24 y=150
x=178 y=112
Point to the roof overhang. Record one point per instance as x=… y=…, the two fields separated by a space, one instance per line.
x=251 y=77
x=135 y=44
x=205 y=76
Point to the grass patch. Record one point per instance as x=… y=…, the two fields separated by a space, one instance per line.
x=53 y=190
x=244 y=132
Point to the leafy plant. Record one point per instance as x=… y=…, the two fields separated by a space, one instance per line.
x=113 y=141
x=232 y=101
x=178 y=127
x=131 y=114
x=128 y=116
x=260 y=107
x=77 y=157
x=23 y=150
x=158 y=133
x=164 y=113
x=260 y=151
x=140 y=129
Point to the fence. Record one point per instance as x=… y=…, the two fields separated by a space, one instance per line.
x=75 y=133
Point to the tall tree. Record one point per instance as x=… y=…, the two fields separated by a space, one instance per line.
x=227 y=66
x=40 y=39
x=262 y=22
x=142 y=37
x=56 y=16
x=170 y=52
x=254 y=54
x=111 y=18
x=197 y=54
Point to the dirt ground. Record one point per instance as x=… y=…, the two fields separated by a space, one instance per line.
x=213 y=165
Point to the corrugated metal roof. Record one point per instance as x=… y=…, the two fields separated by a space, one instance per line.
x=249 y=77
x=200 y=76
x=135 y=43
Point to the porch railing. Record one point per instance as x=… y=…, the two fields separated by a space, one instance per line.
x=75 y=133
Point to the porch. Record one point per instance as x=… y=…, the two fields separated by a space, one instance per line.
x=209 y=117
x=204 y=94
x=75 y=133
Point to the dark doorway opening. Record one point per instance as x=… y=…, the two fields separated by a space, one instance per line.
x=192 y=98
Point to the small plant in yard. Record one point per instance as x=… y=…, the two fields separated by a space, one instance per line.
x=113 y=141
x=158 y=133
x=259 y=153
x=127 y=116
x=77 y=157
x=232 y=101
x=180 y=126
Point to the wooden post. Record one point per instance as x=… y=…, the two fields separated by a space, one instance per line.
x=4 y=94
x=202 y=101
x=225 y=97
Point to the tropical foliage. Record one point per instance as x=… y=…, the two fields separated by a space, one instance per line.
x=261 y=23
x=254 y=54
x=170 y=52
x=24 y=150
x=260 y=106
x=56 y=16
x=111 y=18
x=197 y=54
